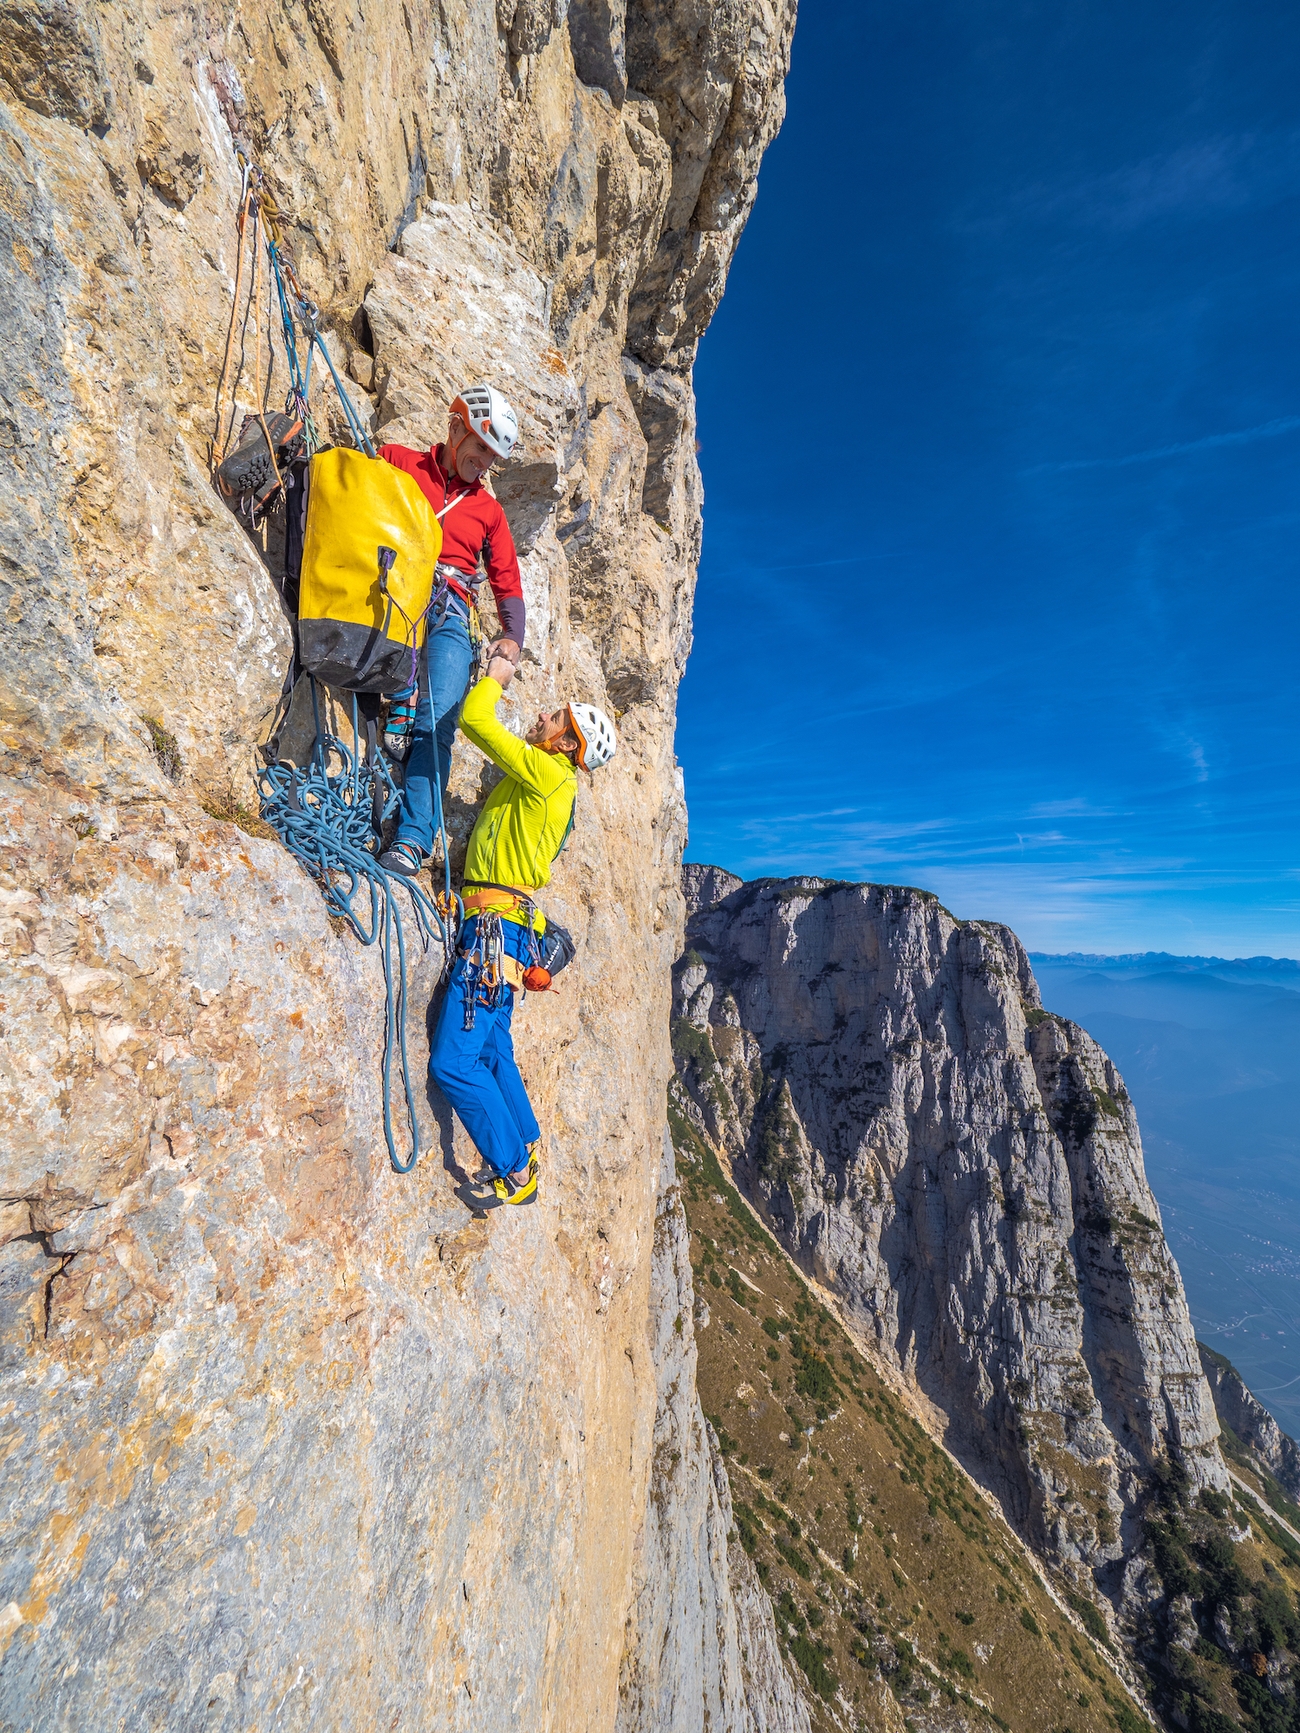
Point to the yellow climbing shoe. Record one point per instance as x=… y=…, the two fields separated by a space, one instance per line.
x=508 y=1190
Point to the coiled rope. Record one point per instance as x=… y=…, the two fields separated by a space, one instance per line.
x=327 y=815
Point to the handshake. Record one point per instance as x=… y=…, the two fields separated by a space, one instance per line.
x=503 y=661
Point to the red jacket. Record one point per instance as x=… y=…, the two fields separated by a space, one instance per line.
x=475 y=523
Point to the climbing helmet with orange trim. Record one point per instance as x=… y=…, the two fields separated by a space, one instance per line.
x=597 y=741
x=486 y=413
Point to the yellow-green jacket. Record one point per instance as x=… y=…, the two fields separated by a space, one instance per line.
x=524 y=819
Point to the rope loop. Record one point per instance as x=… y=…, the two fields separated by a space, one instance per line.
x=323 y=815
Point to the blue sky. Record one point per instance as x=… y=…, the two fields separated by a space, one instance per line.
x=1000 y=431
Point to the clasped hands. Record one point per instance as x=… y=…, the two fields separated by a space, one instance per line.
x=502 y=661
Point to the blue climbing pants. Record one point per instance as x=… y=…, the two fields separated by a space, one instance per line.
x=475 y=1068
x=444 y=676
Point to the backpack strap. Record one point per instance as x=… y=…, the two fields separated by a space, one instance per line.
x=568 y=829
x=270 y=749
x=368 y=707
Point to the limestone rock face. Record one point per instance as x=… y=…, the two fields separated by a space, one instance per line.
x=291 y=1439
x=966 y=1172
x=705 y=886
x=1240 y=1409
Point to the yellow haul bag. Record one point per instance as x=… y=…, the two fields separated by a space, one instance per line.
x=370 y=546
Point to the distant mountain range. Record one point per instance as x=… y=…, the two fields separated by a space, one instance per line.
x=1210 y=1051
x=1278 y=971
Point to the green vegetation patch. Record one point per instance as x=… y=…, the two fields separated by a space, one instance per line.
x=777 y=1164
x=691 y=1043
x=810 y=1658
x=872 y=1572
x=1089 y=1616
x=165 y=748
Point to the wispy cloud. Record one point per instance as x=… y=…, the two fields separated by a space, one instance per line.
x=1228 y=172
x=1274 y=429
x=1140 y=906
x=1074 y=806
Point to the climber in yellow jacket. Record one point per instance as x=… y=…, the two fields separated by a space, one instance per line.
x=519 y=832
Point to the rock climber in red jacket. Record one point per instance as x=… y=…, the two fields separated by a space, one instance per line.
x=482 y=427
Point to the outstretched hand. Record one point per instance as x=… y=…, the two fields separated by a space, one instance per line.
x=501 y=669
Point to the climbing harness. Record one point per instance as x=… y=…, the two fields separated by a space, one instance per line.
x=548 y=952
x=325 y=815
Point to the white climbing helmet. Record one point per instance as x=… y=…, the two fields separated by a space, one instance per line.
x=486 y=413
x=597 y=741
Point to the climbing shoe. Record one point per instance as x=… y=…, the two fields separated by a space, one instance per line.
x=248 y=474
x=489 y=1189
x=403 y=858
x=508 y=1189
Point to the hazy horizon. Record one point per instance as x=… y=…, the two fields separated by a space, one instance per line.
x=1210 y=1055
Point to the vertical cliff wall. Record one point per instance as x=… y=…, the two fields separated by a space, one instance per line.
x=288 y=1438
x=1255 y=1428
x=965 y=1171
x=702 y=1648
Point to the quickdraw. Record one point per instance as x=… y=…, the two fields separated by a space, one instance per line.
x=485 y=971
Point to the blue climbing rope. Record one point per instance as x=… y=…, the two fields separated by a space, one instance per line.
x=292 y=297
x=325 y=816
x=299 y=377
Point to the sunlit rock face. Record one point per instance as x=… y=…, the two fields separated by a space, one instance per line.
x=965 y=1170
x=289 y=1439
x=700 y=1657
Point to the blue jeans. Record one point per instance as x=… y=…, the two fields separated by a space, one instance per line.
x=475 y=1068
x=444 y=675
